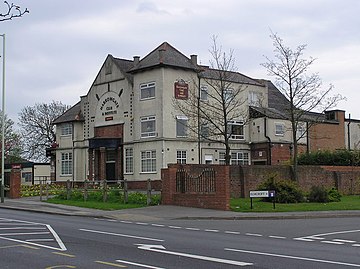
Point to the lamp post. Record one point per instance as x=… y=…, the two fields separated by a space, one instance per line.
x=3 y=124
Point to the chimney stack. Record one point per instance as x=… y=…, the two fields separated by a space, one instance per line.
x=136 y=60
x=194 y=59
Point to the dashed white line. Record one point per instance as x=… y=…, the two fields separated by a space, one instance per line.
x=192 y=229
x=231 y=232
x=250 y=234
x=175 y=227
x=304 y=239
x=126 y=222
x=356 y=245
x=277 y=237
x=212 y=231
x=142 y=223
x=157 y=225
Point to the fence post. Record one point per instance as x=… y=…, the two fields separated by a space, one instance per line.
x=68 y=189
x=126 y=197
x=104 y=190
x=86 y=185
x=148 y=201
x=47 y=190
x=40 y=190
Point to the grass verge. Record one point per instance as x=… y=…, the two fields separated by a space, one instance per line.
x=94 y=204
x=244 y=205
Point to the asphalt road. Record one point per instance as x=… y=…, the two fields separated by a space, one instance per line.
x=35 y=240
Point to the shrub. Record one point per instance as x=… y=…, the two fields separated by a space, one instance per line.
x=334 y=195
x=286 y=191
x=318 y=194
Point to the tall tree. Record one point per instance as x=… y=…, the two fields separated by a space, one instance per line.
x=12 y=11
x=12 y=141
x=220 y=117
x=303 y=89
x=37 y=131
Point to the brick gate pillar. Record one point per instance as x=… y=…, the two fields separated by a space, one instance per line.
x=15 y=182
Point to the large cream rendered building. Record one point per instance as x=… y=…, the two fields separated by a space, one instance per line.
x=127 y=126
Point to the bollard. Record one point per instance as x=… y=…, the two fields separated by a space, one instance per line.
x=40 y=190
x=104 y=191
x=86 y=186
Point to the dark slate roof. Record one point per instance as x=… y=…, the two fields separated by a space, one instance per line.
x=209 y=73
x=72 y=114
x=125 y=66
x=164 y=55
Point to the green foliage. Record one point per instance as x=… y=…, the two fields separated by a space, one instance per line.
x=286 y=191
x=34 y=190
x=326 y=157
x=318 y=194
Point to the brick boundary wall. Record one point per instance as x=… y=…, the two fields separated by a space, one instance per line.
x=346 y=179
x=220 y=199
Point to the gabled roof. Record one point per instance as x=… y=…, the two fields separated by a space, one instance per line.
x=164 y=55
x=125 y=66
x=70 y=115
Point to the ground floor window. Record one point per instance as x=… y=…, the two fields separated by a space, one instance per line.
x=129 y=161
x=148 y=161
x=66 y=163
x=27 y=176
x=237 y=158
x=181 y=156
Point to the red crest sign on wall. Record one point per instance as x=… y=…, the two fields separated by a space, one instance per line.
x=181 y=89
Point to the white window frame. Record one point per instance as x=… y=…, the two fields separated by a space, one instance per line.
x=66 y=129
x=148 y=161
x=66 y=163
x=237 y=158
x=254 y=98
x=145 y=122
x=228 y=95
x=232 y=123
x=181 y=126
x=181 y=156
x=300 y=131
x=129 y=160
x=279 y=128
x=204 y=94
x=149 y=87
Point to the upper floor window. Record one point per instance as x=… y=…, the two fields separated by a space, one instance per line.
x=147 y=90
x=254 y=98
x=66 y=129
x=279 y=129
x=300 y=131
x=181 y=126
x=204 y=130
x=203 y=93
x=228 y=95
x=236 y=129
x=148 y=126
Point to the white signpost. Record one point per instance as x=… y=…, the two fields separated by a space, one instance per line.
x=262 y=194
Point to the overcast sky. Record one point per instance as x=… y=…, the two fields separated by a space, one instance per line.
x=55 y=51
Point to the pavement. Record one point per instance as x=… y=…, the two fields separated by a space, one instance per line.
x=163 y=212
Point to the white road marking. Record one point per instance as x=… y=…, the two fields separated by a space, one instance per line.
x=212 y=231
x=231 y=232
x=277 y=237
x=175 y=227
x=344 y=241
x=292 y=257
x=332 y=242
x=356 y=245
x=250 y=234
x=139 y=264
x=161 y=249
x=141 y=223
x=192 y=229
x=122 y=235
x=7 y=234
x=304 y=239
x=125 y=221
x=23 y=228
x=157 y=225
x=40 y=240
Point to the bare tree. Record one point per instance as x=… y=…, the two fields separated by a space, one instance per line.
x=220 y=117
x=12 y=141
x=12 y=11
x=303 y=89
x=37 y=131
